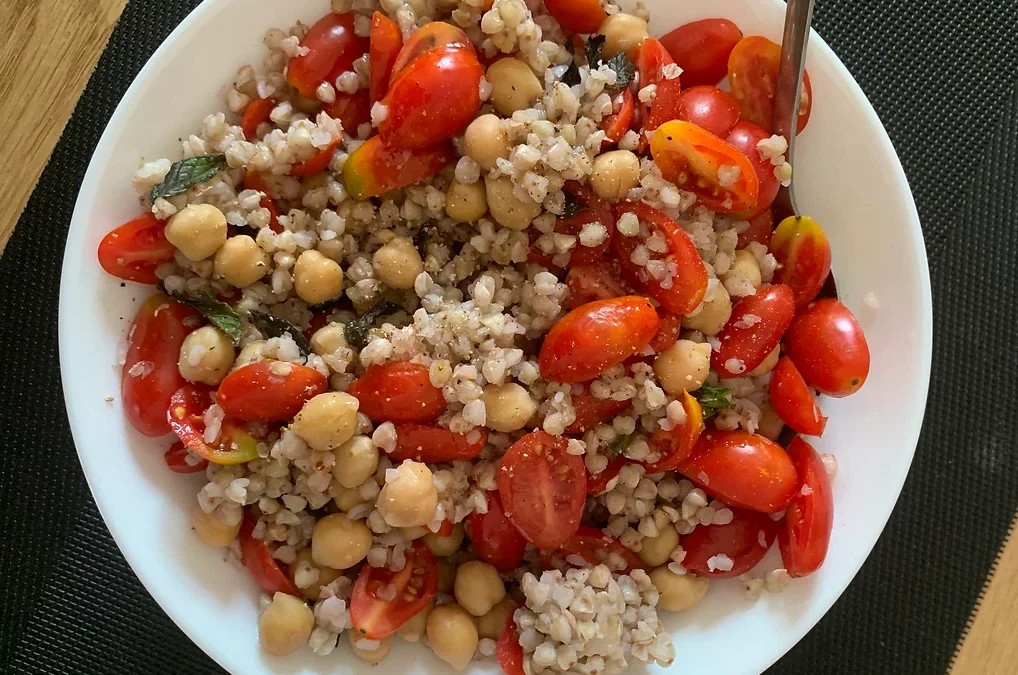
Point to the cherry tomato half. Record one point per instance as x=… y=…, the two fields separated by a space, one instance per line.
x=495 y=539
x=827 y=345
x=258 y=560
x=804 y=257
x=352 y=110
x=596 y=210
x=597 y=483
x=755 y=328
x=709 y=108
x=427 y=443
x=753 y=75
x=508 y=651
x=543 y=489
x=415 y=586
x=591 y=411
x=744 y=541
x=186 y=417
x=254 y=181
x=793 y=401
x=269 y=391
x=599 y=281
x=317 y=163
x=134 y=250
x=386 y=41
x=674 y=445
x=651 y=58
x=255 y=114
x=806 y=535
x=701 y=49
x=668 y=331
x=374 y=168
x=760 y=228
x=176 y=459
x=577 y=16
x=595 y=548
x=431 y=36
x=620 y=121
x=331 y=48
x=745 y=136
x=398 y=392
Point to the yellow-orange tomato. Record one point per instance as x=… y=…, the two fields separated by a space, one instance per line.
x=374 y=168
x=594 y=337
x=804 y=256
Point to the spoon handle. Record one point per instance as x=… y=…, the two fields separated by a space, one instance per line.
x=794 y=40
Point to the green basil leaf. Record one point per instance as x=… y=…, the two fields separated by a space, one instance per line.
x=356 y=330
x=593 y=48
x=624 y=69
x=273 y=327
x=571 y=207
x=713 y=398
x=219 y=314
x=617 y=446
x=185 y=173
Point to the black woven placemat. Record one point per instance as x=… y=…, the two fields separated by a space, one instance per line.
x=941 y=75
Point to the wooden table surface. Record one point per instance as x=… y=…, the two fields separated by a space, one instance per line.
x=48 y=52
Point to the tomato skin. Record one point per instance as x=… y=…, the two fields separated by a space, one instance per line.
x=186 y=417
x=709 y=108
x=398 y=392
x=427 y=443
x=651 y=58
x=591 y=411
x=374 y=168
x=599 y=281
x=595 y=547
x=760 y=228
x=676 y=444
x=577 y=16
x=375 y=618
x=134 y=250
x=176 y=460
x=744 y=136
x=665 y=107
x=701 y=49
x=156 y=336
x=753 y=75
x=596 y=210
x=496 y=540
x=257 y=558
x=827 y=345
x=804 y=257
x=352 y=110
x=254 y=181
x=809 y=520
x=386 y=42
x=742 y=469
x=255 y=114
x=775 y=307
x=257 y=392
x=332 y=47
x=739 y=540
x=667 y=332
x=793 y=401
x=543 y=489
x=597 y=336
x=508 y=651
x=432 y=36
x=597 y=483
x=317 y=163
x=619 y=122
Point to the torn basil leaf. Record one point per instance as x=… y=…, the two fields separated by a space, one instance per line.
x=219 y=314
x=571 y=206
x=593 y=48
x=617 y=446
x=274 y=327
x=356 y=330
x=185 y=173
x=713 y=398
x=624 y=69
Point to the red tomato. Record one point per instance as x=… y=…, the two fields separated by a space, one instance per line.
x=153 y=348
x=543 y=489
x=651 y=58
x=695 y=160
x=701 y=49
x=597 y=336
x=596 y=548
x=804 y=257
x=495 y=539
x=134 y=250
x=827 y=345
x=597 y=483
x=689 y=279
x=577 y=16
x=620 y=121
x=760 y=228
x=665 y=107
x=753 y=75
x=599 y=281
x=257 y=557
x=255 y=114
x=675 y=445
x=745 y=541
x=591 y=411
x=374 y=168
x=445 y=529
x=352 y=110
x=744 y=137
x=742 y=469
x=319 y=320
x=269 y=391
x=415 y=586
x=176 y=460
x=186 y=416
x=667 y=332
x=793 y=401
x=596 y=210
x=508 y=651
x=429 y=37
x=427 y=443
x=746 y=342
x=709 y=108
x=332 y=47
x=317 y=163
x=254 y=181
x=804 y=539
x=386 y=41
x=398 y=392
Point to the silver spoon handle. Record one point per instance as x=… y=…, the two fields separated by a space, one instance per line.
x=794 y=40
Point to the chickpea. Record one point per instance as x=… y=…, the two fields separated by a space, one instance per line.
x=658 y=550
x=770 y=424
x=206 y=356
x=346 y=499
x=485 y=141
x=327 y=421
x=478 y=587
x=413 y=533
x=491 y=624
x=622 y=33
x=767 y=365
x=513 y=86
x=332 y=248
x=615 y=174
x=508 y=406
x=446 y=575
x=506 y=208
x=398 y=263
x=466 y=202
x=370 y=656
x=714 y=314
x=211 y=529
x=452 y=635
x=340 y=543
x=326 y=575
x=317 y=279
x=443 y=547
x=241 y=261
x=410 y=497
x=285 y=625
x=249 y=353
x=683 y=367
x=356 y=462
x=678 y=591
x=328 y=339
x=744 y=265
x=414 y=629
x=198 y=230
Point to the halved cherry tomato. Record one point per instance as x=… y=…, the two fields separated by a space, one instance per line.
x=255 y=114
x=793 y=401
x=827 y=345
x=744 y=541
x=688 y=280
x=186 y=415
x=319 y=320
x=508 y=651
x=386 y=41
x=429 y=37
x=675 y=445
x=667 y=332
x=665 y=107
x=577 y=16
x=591 y=411
x=269 y=391
x=134 y=250
x=595 y=548
x=804 y=539
x=745 y=136
x=374 y=168
x=701 y=49
x=597 y=483
x=331 y=48
x=804 y=257
x=254 y=181
x=596 y=210
x=760 y=228
x=695 y=160
x=543 y=489
x=651 y=58
x=597 y=336
x=352 y=110
x=317 y=163
x=398 y=392
x=445 y=529
x=150 y=374
x=176 y=460
x=709 y=108
x=427 y=443
x=258 y=560
x=620 y=121
x=415 y=586
x=495 y=539
x=755 y=328
x=742 y=469
x=599 y=281
x=753 y=75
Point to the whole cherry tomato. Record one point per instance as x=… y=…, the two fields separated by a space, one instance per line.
x=744 y=541
x=352 y=110
x=760 y=228
x=543 y=489
x=398 y=392
x=745 y=136
x=674 y=445
x=827 y=345
x=317 y=163
x=753 y=76
x=755 y=328
x=235 y=444
x=508 y=651
x=436 y=35
x=793 y=401
x=701 y=49
x=709 y=108
x=809 y=519
x=595 y=548
x=742 y=469
x=177 y=460
x=804 y=257
x=597 y=336
x=415 y=586
x=330 y=48
x=577 y=16
x=597 y=483
x=375 y=168
x=258 y=560
x=269 y=391
x=255 y=114
x=427 y=443
x=721 y=176
x=134 y=250
x=495 y=539
x=386 y=41
x=620 y=121
x=591 y=411
x=599 y=281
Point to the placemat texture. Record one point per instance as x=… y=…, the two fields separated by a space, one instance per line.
x=941 y=75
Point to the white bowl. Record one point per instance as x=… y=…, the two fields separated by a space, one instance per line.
x=848 y=177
